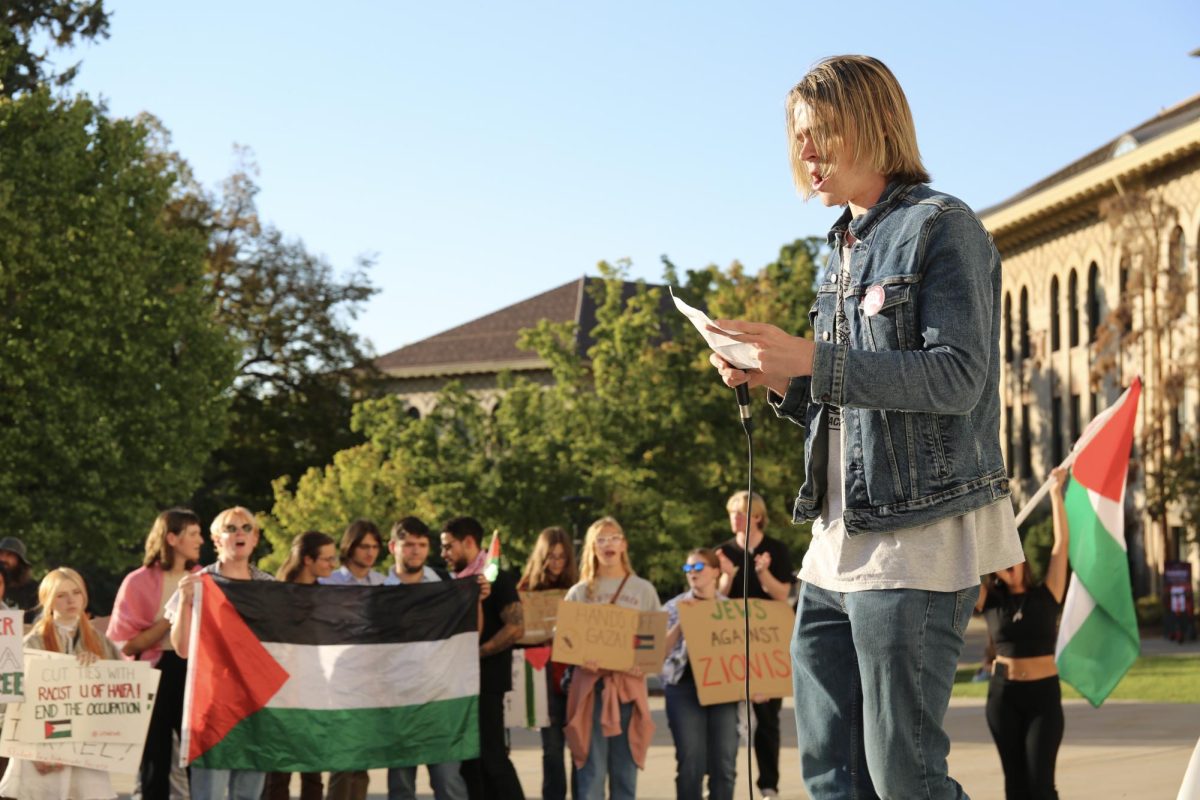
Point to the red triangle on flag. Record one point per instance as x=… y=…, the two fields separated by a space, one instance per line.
x=233 y=675
x=1103 y=462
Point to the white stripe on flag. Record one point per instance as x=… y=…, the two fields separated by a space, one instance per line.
x=328 y=677
x=1111 y=515
x=1077 y=606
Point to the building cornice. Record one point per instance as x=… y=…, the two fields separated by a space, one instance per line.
x=467 y=368
x=1069 y=201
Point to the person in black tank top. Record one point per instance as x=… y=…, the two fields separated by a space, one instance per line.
x=1024 y=704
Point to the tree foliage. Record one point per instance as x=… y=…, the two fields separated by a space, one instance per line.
x=300 y=366
x=61 y=23
x=113 y=369
x=641 y=425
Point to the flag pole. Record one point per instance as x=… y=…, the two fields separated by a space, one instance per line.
x=1089 y=433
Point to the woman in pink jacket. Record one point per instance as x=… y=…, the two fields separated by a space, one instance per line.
x=139 y=629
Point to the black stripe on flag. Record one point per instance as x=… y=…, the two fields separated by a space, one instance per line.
x=317 y=615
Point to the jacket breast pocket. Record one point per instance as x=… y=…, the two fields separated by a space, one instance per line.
x=889 y=317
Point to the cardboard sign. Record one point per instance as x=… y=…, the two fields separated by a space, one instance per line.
x=603 y=633
x=650 y=646
x=715 y=632
x=108 y=701
x=117 y=757
x=12 y=659
x=540 y=610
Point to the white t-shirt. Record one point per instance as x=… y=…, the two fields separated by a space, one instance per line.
x=638 y=593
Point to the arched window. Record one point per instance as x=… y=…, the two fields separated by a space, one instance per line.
x=1024 y=323
x=1176 y=265
x=1008 y=348
x=1054 y=322
x=1073 y=310
x=1093 y=301
x=1126 y=297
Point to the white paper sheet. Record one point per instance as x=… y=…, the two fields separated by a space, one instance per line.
x=738 y=354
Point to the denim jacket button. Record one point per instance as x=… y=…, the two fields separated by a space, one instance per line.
x=825 y=336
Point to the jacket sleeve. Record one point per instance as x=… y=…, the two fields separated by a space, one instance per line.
x=954 y=308
x=794 y=403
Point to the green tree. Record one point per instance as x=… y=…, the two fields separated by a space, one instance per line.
x=61 y=23
x=300 y=368
x=641 y=424
x=113 y=369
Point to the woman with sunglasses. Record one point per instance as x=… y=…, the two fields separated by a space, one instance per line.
x=608 y=713
x=235 y=535
x=706 y=737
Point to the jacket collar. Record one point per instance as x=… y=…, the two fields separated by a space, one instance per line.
x=862 y=226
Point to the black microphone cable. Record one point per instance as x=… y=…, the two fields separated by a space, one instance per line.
x=743 y=399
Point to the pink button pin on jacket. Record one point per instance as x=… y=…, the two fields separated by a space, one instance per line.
x=873 y=301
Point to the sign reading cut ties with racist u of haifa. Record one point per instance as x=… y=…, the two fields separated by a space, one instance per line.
x=1098 y=636
x=284 y=677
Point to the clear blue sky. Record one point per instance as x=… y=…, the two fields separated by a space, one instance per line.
x=485 y=152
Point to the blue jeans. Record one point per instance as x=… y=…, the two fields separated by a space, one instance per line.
x=211 y=784
x=609 y=757
x=706 y=742
x=554 y=774
x=872 y=673
x=446 y=780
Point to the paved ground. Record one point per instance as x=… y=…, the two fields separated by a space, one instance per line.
x=1121 y=750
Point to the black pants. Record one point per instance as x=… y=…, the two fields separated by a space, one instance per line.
x=492 y=775
x=1026 y=721
x=165 y=720
x=766 y=742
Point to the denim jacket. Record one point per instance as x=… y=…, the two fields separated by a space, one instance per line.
x=918 y=382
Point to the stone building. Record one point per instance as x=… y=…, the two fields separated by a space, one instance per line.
x=1065 y=270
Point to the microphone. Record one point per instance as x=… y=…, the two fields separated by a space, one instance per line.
x=743 y=398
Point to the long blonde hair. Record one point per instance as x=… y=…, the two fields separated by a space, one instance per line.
x=89 y=639
x=589 y=562
x=854 y=100
x=535 y=578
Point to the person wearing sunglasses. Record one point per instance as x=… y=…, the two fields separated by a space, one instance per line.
x=235 y=535
x=706 y=737
x=608 y=713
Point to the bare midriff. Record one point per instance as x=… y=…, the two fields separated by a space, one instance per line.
x=1032 y=668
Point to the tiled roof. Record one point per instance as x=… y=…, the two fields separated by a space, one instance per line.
x=490 y=342
x=1162 y=123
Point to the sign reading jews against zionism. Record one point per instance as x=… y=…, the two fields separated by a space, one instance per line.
x=12 y=659
x=715 y=632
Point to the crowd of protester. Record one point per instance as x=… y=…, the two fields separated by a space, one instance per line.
x=600 y=725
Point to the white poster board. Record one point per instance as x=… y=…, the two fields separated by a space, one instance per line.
x=12 y=660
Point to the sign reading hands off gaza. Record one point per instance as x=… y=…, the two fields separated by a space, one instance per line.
x=715 y=632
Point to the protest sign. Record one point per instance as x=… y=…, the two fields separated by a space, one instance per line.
x=122 y=758
x=603 y=633
x=12 y=660
x=107 y=701
x=540 y=609
x=650 y=645
x=715 y=632
x=527 y=704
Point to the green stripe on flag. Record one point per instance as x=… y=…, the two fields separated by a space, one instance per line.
x=350 y=739
x=1097 y=657
x=1099 y=562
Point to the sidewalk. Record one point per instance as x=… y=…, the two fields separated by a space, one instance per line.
x=1132 y=750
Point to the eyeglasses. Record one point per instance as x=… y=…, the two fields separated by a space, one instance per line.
x=246 y=528
x=603 y=541
x=693 y=567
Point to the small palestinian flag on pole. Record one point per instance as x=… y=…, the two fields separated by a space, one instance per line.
x=1098 y=636
x=492 y=568
x=284 y=677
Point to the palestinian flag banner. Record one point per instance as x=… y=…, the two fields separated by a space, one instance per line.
x=527 y=704
x=284 y=677
x=1098 y=636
